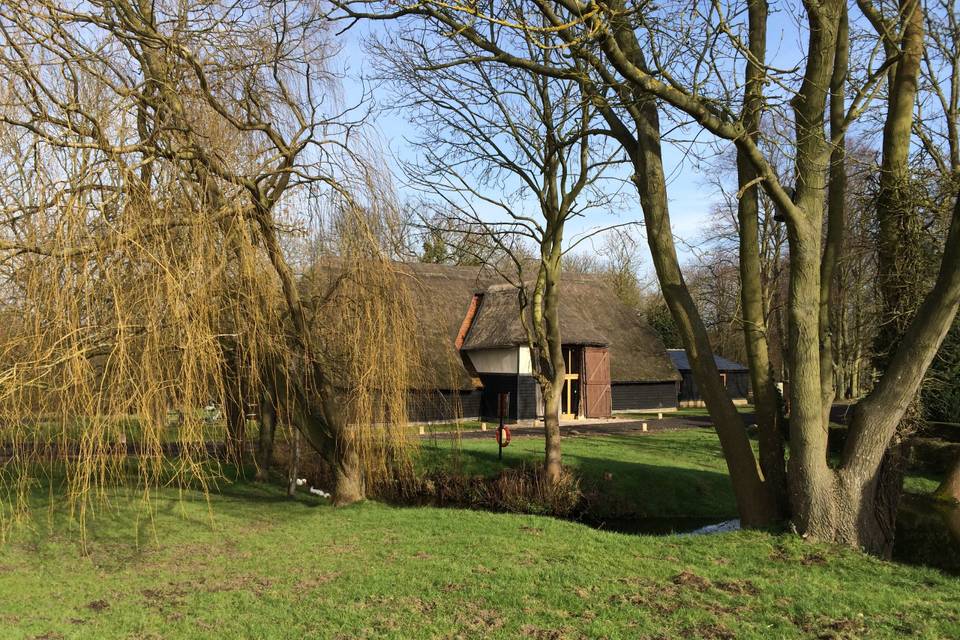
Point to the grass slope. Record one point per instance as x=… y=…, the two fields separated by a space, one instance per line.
x=266 y=567
x=254 y=564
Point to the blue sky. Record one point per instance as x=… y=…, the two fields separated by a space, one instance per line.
x=691 y=193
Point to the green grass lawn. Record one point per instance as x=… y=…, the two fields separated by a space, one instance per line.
x=253 y=564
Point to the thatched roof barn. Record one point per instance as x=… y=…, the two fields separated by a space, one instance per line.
x=472 y=347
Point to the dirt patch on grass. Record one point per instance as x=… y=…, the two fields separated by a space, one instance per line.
x=710 y=631
x=476 y=618
x=98 y=605
x=826 y=628
x=691 y=580
x=738 y=587
x=254 y=583
x=539 y=633
x=813 y=559
x=316 y=580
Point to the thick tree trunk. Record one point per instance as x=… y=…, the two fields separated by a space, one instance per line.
x=349 y=485
x=869 y=482
x=755 y=500
x=867 y=506
x=836 y=215
x=268 y=422
x=812 y=483
x=949 y=489
x=545 y=340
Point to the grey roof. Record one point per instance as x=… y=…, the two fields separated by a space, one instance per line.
x=682 y=363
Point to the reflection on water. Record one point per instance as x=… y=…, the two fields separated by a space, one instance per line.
x=649 y=526
x=928 y=533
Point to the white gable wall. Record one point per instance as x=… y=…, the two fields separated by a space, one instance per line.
x=509 y=360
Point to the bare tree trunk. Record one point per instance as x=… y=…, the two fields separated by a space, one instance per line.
x=811 y=480
x=293 y=469
x=268 y=423
x=868 y=480
x=755 y=501
x=555 y=374
x=551 y=425
x=867 y=487
x=751 y=283
x=836 y=214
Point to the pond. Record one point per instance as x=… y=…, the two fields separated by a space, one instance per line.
x=928 y=533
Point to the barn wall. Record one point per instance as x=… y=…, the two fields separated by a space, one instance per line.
x=738 y=386
x=438 y=406
x=524 y=401
x=635 y=396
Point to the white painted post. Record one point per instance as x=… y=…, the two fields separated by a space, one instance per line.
x=483 y=426
x=423 y=430
x=644 y=426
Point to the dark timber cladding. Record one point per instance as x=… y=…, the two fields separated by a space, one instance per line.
x=524 y=396
x=735 y=377
x=633 y=396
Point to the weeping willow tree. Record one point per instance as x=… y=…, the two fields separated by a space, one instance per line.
x=157 y=158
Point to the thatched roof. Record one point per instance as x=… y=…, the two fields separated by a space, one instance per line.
x=441 y=295
x=590 y=314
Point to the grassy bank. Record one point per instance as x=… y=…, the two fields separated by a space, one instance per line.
x=679 y=473
x=665 y=474
x=257 y=565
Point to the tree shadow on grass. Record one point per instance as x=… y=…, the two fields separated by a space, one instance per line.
x=128 y=519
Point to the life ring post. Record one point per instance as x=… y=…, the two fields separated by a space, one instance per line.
x=503 y=435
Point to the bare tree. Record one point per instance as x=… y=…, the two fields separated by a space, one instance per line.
x=513 y=157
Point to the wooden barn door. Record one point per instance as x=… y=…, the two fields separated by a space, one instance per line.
x=596 y=368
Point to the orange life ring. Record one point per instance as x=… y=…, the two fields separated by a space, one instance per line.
x=505 y=440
